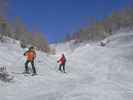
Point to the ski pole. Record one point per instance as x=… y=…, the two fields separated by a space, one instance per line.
x=37 y=68
x=56 y=66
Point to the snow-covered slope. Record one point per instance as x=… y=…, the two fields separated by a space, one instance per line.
x=110 y=68
x=93 y=73
x=67 y=47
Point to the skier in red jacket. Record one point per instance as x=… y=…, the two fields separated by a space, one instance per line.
x=62 y=62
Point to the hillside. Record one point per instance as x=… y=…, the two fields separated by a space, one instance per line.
x=93 y=72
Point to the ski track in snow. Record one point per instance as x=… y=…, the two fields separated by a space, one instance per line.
x=93 y=73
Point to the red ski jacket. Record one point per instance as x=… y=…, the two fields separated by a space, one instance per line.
x=62 y=60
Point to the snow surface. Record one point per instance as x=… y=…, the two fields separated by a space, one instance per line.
x=93 y=72
x=67 y=47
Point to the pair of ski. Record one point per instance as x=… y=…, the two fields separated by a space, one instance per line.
x=25 y=74
x=62 y=71
x=29 y=74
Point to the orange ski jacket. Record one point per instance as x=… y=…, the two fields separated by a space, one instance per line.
x=31 y=55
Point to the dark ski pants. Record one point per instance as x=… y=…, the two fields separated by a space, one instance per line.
x=60 y=67
x=32 y=64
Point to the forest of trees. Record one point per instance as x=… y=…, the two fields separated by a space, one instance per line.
x=17 y=30
x=98 y=30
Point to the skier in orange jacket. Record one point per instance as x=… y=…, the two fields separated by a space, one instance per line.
x=31 y=55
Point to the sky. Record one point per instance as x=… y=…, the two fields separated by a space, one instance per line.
x=56 y=18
